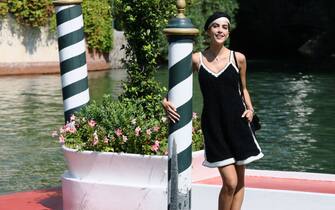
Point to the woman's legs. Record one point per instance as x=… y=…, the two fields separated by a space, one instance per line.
x=229 y=179
x=232 y=191
x=239 y=192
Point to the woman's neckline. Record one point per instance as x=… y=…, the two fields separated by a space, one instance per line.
x=215 y=73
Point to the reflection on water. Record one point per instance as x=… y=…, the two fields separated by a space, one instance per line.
x=296 y=110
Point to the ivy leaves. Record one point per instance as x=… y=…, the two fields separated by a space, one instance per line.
x=98 y=24
x=34 y=13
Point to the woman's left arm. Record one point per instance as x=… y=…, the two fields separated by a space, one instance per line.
x=242 y=63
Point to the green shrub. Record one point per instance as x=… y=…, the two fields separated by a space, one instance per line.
x=143 y=23
x=98 y=24
x=119 y=126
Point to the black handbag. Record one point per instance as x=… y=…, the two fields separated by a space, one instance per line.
x=255 y=123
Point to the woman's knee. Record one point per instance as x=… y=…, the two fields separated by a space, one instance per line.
x=240 y=171
x=229 y=179
x=230 y=185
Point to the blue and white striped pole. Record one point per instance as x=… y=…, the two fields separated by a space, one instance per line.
x=72 y=55
x=180 y=32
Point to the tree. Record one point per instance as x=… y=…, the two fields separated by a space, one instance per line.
x=143 y=22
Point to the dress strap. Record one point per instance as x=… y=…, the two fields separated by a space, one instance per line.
x=231 y=56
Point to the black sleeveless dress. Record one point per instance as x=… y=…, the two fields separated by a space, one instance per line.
x=228 y=138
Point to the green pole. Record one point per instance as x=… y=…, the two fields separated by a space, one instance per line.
x=180 y=32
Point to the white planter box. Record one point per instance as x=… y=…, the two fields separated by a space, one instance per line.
x=118 y=181
x=117 y=168
x=103 y=180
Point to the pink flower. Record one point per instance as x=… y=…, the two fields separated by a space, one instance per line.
x=194 y=115
x=124 y=138
x=118 y=132
x=92 y=123
x=72 y=130
x=70 y=127
x=54 y=134
x=193 y=130
x=61 y=139
x=137 y=131
x=155 y=146
x=148 y=132
x=156 y=128
x=95 y=138
x=66 y=128
x=106 y=140
x=72 y=118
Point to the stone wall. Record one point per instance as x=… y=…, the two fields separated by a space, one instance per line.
x=26 y=50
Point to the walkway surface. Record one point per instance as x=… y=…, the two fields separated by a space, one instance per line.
x=282 y=184
x=51 y=199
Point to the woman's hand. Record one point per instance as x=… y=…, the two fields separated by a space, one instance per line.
x=248 y=114
x=170 y=110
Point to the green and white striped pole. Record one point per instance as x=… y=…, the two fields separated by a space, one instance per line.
x=72 y=55
x=180 y=32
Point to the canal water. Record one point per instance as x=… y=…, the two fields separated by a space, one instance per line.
x=296 y=109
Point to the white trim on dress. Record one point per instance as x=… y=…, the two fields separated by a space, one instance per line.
x=230 y=161
x=222 y=70
x=218 y=163
x=250 y=159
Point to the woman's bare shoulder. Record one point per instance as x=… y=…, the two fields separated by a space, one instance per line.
x=240 y=57
x=196 y=57
x=196 y=60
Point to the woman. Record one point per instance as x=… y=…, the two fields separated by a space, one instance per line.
x=229 y=141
